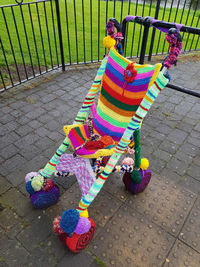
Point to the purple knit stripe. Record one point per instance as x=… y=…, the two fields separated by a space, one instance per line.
x=121 y=70
x=99 y=131
x=130 y=88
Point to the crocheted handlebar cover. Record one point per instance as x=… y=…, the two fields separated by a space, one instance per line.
x=174 y=39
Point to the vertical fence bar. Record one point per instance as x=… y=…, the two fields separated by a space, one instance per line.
x=134 y=30
x=4 y=86
x=144 y=41
x=154 y=31
x=114 y=8
x=10 y=41
x=187 y=19
x=4 y=54
x=41 y=36
x=27 y=42
x=168 y=21
x=98 y=28
x=122 y=5
x=177 y=10
x=83 y=19
x=47 y=27
x=125 y=43
x=150 y=7
x=19 y=42
x=33 y=31
x=193 y=34
x=191 y=25
x=60 y=34
x=59 y=27
x=75 y=26
x=141 y=29
x=91 y=30
x=160 y=31
x=54 y=33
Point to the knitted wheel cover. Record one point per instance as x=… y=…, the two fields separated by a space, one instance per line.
x=76 y=243
x=137 y=188
x=44 y=199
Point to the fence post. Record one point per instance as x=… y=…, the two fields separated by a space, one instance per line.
x=154 y=30
x=147 y=24
x=60 y=34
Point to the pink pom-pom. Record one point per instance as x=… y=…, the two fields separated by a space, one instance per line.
x=83 y=226
x=128 y=161
x=29 y=176
x=56 y=226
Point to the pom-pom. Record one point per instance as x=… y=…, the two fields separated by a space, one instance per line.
x=144 y=164
x=83 y=226
x=56 y=226
x=108 y=42
x=37 y=182
x=69 y=220
x=84 y=214
x=29 y=188
x=48 y=184
x=136 y=177
x=29 y=176
x=128 y=161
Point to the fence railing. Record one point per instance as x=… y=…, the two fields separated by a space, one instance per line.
x=148 y=22
x=39 y=36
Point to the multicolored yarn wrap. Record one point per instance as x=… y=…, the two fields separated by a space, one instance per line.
x=173 y=37
x=149 y=91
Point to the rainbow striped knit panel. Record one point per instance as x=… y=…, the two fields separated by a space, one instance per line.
x=115 y=111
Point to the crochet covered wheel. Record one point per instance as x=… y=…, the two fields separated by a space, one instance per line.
x=137 y=188
x=76 y=243
x=44 y=199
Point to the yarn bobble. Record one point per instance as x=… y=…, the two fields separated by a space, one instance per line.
x=136 y=177
x=29 y=176
x=84 y=214
x=83 y=226
x=144 y=164
x=29 y=188
x=69 y=220
x=108 y=42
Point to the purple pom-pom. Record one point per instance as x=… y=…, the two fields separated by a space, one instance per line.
x=83 y=226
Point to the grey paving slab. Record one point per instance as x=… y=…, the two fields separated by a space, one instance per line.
x=130 y=239
x=190 y=232
x=163 y=202
x=182 y=255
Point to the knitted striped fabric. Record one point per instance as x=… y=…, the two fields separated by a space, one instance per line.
x=114 y=110
x=133 y=125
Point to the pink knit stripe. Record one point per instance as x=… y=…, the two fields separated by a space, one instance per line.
x=108 y=125
x=121 y=70
x=100 y=132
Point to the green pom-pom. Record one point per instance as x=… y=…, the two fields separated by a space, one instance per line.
x=136 y=177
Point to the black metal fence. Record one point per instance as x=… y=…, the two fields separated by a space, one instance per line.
x=39 y=36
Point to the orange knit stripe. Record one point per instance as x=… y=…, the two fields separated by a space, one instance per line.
x=117 y=89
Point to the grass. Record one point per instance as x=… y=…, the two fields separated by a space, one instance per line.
x=41 y=53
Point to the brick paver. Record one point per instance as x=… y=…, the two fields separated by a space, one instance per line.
x=31 y=129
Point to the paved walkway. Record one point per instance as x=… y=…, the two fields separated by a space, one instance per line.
x=159 y=227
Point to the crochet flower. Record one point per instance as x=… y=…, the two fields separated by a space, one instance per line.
x=37 y=182
x=129 y=73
